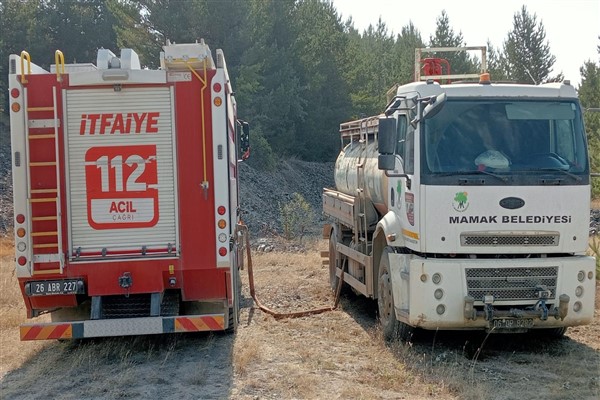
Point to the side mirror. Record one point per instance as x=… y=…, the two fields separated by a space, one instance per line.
x=386 y=138
x=386 y=162
x=434 y=106
x=243 y=140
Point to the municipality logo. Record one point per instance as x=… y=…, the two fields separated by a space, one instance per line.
x=461 y=202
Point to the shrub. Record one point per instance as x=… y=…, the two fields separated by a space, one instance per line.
x=261 y=154
x=296 y=216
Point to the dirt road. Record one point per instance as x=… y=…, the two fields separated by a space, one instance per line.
x=337 y=355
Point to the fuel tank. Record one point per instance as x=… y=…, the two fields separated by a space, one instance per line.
x=356 y=168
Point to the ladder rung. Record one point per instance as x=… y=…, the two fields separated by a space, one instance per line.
x=47 y=136
x=45 y=200
x=42 y=123
x=45 y=246
x=33 y=109
x=37 y=234
x=43 y=164
x=44 y=191
x=47 y=271
x=49 y=218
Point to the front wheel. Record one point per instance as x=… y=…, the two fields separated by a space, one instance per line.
x=391 y=327
x=549 y=333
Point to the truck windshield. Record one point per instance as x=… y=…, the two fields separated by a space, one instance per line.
x=512 y=138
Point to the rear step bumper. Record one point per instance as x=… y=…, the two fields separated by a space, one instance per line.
x=123 y=327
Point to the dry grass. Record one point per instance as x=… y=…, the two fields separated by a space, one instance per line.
x=331 y=355
x=336 y=355
x=345 y=350
x=13 y=352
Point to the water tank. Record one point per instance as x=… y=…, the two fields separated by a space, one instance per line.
x=372 y=179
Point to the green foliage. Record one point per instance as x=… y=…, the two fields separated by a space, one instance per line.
x=460 y=63
x=296 y=217
x=494 y=64
x=527 y=57
x=297 y=69
x=589 y=95
x=261 y=154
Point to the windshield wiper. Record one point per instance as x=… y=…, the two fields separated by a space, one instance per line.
x=572 y=175
x=576 y=177
x=477 y=172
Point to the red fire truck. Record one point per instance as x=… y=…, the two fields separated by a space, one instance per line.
x=126 y=193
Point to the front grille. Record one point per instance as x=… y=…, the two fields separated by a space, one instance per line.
x=509 y=240
x=508 y=284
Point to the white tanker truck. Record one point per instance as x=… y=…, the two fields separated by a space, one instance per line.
x=466 y=206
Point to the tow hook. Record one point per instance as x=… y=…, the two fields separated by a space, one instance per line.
x=125 y=281
x=469 y=310
x=489 y=308
x=563 y=305
x=543 y=295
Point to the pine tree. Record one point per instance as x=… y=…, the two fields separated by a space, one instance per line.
x=527 y=57
x=589 y=95
x=460 y=63
x=494 y=64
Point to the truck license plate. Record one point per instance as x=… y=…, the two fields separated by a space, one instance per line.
x=512 y=323
x=42 y=288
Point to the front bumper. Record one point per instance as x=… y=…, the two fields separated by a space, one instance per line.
x=478 y=293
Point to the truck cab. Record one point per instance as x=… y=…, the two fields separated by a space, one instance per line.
x=482 y=197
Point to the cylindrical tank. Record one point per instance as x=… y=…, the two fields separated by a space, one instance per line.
x=372 y=179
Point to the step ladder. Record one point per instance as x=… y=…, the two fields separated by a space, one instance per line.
x=361 y=237
x=43 y=186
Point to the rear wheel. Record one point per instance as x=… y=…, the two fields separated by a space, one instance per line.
x=391 y=327
x=333 y=262
x=234 y=312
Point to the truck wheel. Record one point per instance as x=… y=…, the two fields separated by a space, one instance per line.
x=391 y=327
x=333 y=262
x=234 y=312
x=549 y=333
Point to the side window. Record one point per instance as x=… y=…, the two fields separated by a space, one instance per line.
x=409 y=151
x=400 y=145
x=406 y=144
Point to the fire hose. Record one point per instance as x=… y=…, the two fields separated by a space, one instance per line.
x=281 y=315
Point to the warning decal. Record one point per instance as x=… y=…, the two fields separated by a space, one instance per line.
x=122 y=186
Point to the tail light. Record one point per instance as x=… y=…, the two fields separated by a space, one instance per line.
x=22 y=261
x=20 y=218
x=222 y=251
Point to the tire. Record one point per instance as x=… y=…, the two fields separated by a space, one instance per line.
x=392 y=328
x=234 y=312
x=333 y=262
x=549 y=333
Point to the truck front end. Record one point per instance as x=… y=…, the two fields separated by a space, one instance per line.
x=497 y=211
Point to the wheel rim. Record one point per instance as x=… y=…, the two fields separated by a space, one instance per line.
x=385 y=298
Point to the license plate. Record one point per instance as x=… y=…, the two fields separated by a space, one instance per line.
x=43 y=288
x=512 y=323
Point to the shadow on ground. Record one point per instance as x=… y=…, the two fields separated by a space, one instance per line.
x=197 y=365
x=495 y=366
